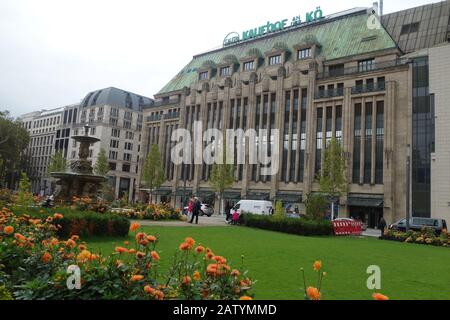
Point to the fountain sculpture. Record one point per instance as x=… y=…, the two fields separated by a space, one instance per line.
x=80 y=180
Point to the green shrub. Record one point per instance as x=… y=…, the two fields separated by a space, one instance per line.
x=300 y=226
x=5 y=294
x=84 y=224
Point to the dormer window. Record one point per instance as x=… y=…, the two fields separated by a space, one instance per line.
x=274 y=60
x=203 y=75
x=250 y=65
x=225 y=71
x=304 y=54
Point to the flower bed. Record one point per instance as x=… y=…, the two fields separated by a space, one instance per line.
x=152 y=211
x=299 y=226
x=34 y=265
x=425 y=236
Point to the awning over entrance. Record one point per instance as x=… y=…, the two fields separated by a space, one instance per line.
x=365 y=201
x=295 y=197
x=258 y=195
x=204 y=193
x=162 y=192
x=181 y=192
x=232 y=194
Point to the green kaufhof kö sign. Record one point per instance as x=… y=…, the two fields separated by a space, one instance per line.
x=270 y=27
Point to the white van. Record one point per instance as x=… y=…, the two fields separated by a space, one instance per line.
x=260 y=207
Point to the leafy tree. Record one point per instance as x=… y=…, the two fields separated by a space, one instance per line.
x=222 y=177
x=279 y=210
x=101 y=166
x=153 y=171
x=333 y=181
x=57 y=163
x=315 y=206
x=25 y=197
x=14 y=140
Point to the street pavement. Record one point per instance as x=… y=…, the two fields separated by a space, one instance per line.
x=203 y=221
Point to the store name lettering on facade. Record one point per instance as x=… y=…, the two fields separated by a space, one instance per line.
x=270 y=27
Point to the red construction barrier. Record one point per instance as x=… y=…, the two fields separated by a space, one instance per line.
x=347 y=228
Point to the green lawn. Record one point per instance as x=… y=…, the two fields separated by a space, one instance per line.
x=408 y=271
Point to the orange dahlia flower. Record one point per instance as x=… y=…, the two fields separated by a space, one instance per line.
x=137 y=278
x=46 y=257
x=135 y=226
x=313 y=293
x=379 y=296
x=317 y=265
x=8 y=230
x=155 y=255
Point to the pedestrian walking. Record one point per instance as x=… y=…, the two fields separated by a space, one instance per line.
x=195 y=210
x=382 y=226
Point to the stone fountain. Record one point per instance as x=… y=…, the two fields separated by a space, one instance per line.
x=80 y=179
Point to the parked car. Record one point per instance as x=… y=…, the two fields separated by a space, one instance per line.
x=205 y=210
x=260 y=207
x=417 y=223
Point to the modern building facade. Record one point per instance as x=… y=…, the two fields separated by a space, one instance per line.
x=336 y=77
x=114 y=116
x=42 y=127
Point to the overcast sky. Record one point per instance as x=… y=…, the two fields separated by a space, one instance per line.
x=53 y=52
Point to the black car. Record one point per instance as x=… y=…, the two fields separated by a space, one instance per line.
x=417 y=224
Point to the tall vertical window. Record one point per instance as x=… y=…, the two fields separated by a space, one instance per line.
x=338 y=129
x=329 y=125
x=319 y=140
x=238 y=125
x=357 y=144
x=249 y=65
x=265 y=125
x=245 y=114
x=368 y=145
x=271 y=128
x=287 y=113
x=294 y=136
x=203 y=75
x=225 y=71
x=231 y=124
x=303 y=135
x=257 y=127
x=379 y=143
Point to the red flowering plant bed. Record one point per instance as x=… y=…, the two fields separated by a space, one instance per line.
x=34 y=265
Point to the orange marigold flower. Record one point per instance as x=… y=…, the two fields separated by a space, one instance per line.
x=196 y=276
x=379 y=296
x=149 y=290
x=8 y=230
x=184 y=246
x=140 y=236
x=135 y=226
x=70 y=243
x=317 y=265
x=140 y=255
x=46 y=257
x=75 y=238
x=186 y=280
x=313 y=293
x=190 y=241
x=94 y=257
x=132 y=251
x=126 y=243
x=54 y=242
x=235 y=273
x=159 y=295
x=245 y=298
x=83 y=256
x=199 y=249
x=151 y=238
x=137 y=278
x=121 y=250
x=58 y=216
x=82 y=247
x=210 y=255
x=20 y=237
x=219 y=259
x=155 y=255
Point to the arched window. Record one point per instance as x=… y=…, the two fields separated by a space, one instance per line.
x=94 y=101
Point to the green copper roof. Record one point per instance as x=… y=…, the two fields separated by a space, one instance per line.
x=343 y=37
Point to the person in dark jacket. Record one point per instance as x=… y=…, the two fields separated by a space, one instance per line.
x=195 y=210
x=382 y=226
